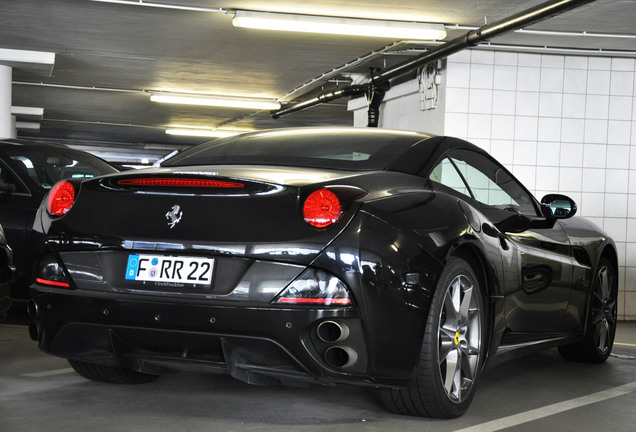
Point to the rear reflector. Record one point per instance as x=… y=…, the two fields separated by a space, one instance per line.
x=322 y=208
x=315 y=301
x=314 y=287
x=50 y=272
x=52 y=283
x=61 y=198
x=179 y=182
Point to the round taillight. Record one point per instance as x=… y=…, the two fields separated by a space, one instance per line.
x=322 y=208
x=61 y=198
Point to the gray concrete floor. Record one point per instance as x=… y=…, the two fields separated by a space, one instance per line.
x=39 y=392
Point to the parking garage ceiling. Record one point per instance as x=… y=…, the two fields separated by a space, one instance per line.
x=111 y=55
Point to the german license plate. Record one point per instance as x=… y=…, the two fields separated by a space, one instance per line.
x=170 y=269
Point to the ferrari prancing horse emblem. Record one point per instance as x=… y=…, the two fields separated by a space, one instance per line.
x=174 y=215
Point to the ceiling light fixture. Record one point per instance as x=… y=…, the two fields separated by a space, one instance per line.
x=210 y=133
x=219 y=101
x=27 y=125
x=10 y=56
x=340 y=26
x=27 y=111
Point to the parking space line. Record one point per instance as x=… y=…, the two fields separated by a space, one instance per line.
x=550 y=410
x=49 y=373
x=624 y=344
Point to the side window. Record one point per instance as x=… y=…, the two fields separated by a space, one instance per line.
x=488 y=182
x=10 y=182
x=28 y=167
x=485 y=190
x=446 y=174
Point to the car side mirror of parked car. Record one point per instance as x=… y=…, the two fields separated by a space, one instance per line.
x=555 y=206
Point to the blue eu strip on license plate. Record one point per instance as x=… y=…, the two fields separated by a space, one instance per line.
x=171 y=269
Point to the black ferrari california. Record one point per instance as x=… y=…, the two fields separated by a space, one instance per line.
x=394 y=260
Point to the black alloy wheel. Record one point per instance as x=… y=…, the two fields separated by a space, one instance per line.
x=596 y=345
x=452 y=352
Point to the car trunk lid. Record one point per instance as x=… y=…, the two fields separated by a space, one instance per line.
x=249 y=211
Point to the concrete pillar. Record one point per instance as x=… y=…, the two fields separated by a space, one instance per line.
x=7 y=124
x=13 y=129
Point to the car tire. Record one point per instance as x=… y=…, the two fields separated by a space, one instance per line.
x=600 y=328
x=110 y=374
x=455 y=333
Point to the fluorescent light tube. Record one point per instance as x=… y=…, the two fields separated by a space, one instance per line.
x=27 y=125
x=220 y=101
x=341 y=26
x=27 y=111
x=24 y=56
x=202 y=132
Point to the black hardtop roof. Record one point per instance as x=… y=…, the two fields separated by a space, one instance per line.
x=29 y=143
x=396 y=150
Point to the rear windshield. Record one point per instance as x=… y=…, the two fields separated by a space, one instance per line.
x=47 y=166
x=350 y=149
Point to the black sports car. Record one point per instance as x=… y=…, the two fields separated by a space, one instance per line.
x=28 y=170
x=394 y=260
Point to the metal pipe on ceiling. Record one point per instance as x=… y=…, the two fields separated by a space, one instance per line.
x=473 y=38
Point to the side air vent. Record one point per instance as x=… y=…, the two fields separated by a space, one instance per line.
x=581 y=256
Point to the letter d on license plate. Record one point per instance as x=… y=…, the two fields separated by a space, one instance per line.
x=175 y=269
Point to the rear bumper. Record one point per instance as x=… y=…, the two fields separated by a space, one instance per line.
x=259 y=345
x=234 y=327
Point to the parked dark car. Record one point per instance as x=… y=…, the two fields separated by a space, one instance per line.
x=7 y=273
x=27 y=171
x=395 y=260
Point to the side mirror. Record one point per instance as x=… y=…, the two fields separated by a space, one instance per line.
x=555 y=206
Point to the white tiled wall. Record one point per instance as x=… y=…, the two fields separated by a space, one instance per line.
x=562 y=124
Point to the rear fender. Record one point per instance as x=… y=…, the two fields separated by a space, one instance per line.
x=436 y=226
x=391 y=276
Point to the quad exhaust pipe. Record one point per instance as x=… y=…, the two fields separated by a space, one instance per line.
x=336 y=356
x=340 y=356
x=34 y=333
x=332 y=332
x=33 y=310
